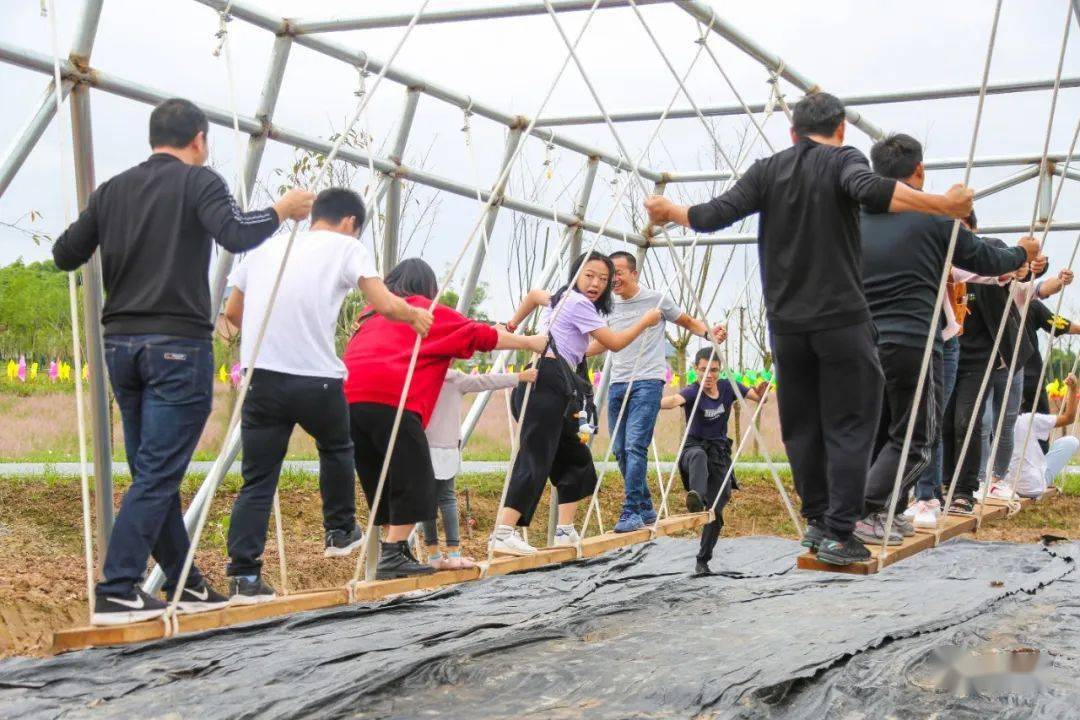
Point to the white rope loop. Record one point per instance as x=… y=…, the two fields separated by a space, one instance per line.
x=928 y=349
x=48 y=9
x=218 y=469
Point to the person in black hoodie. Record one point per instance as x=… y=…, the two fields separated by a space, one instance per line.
x=828 y=376
x=903 y=261
x=154 y=226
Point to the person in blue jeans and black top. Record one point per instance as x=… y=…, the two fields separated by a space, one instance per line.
x=639 y=368
x=154 y=226
x=706 y=457
x=829 y=380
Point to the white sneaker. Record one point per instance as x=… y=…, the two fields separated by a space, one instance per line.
x=926 y=516
x=1001 y=491
x=566 y=536
x=506 y=541
x=912 y=510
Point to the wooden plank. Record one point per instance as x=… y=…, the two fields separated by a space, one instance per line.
x=379 y=589
x=951 y=526
x=682 y=523
x=548 y=556
x=91 y=636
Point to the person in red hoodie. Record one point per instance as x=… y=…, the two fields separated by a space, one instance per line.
x=377 y=360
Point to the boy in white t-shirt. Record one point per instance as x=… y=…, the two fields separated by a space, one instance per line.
x=1037 y=470
x=298 y=375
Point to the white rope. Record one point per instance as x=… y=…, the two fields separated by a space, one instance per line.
x=224 y=48
x=981 y=395
x=73 y=306
x=928 y=350
x=499 y=185
x=667 y=237
x=1044 y=176
x=1057 y=312
x=217 y=470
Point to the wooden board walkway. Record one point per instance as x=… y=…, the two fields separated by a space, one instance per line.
x=952 y=526
x=92 y=636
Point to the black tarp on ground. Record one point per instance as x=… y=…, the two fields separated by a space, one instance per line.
x=629 y=634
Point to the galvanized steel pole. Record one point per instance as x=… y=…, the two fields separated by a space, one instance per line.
x=93 y=296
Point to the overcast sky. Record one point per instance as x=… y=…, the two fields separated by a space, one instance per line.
x=856 y=47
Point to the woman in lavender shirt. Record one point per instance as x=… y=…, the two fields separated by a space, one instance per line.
x=550 y=446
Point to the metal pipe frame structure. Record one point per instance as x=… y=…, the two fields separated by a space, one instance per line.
x=78 y=77
x=879 y=98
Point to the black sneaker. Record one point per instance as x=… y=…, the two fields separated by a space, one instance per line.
x=694 y=503
x=842 y=552
x=702 y=568
x=200 y=598
x=134 y=607
x=395 y=561
x=962 y=505
x=813 y=536
x=340 y=543
x=249 y=592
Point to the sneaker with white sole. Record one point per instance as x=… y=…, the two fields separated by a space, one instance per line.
x=566 y=536
x=1001 y=491
x=200 y=598
x=871 y=530
x=926 y=516
x=904 y=525
x=134 y=607
x=340 y=543
x=507 y=541
x=246 y=591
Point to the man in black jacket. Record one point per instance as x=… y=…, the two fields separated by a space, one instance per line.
x=828 y=376
x=903 y=261
x=154 y=226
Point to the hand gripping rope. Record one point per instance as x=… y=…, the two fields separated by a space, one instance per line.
x=170 y=614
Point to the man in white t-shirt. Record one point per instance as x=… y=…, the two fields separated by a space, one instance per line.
x=298 y=375
x=1038 y=469
x=643 y=361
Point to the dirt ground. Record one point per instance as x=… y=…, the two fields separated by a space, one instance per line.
x=42 y=578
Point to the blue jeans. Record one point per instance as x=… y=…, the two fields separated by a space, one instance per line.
x=995 y=394
x=634 y=435
x=929 y=484
x=164 y=386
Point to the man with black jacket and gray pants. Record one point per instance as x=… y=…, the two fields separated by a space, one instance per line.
x=903 y=261
x=828 y=377
x=154 y=226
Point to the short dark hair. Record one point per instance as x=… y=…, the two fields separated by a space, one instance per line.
x=337 y=203
x=412 y=276
x=896 y=156
x=175 y=123
x=817 y=114
x=972 y=221
x=628 y=257
x=705 y=354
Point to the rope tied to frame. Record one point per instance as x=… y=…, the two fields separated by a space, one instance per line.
x=222 y=35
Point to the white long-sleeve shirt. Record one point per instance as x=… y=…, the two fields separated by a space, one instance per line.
x=444 y=429
x=952 y=327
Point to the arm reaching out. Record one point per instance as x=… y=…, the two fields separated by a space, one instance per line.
x=670 y=402
x=618 y=339
x=1068 y=415
x=758 y=393
x=955 y=203
x=533 y=299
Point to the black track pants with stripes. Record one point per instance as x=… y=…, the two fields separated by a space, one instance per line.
x=901 y=367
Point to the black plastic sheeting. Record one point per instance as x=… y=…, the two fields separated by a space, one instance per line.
x=628 y=634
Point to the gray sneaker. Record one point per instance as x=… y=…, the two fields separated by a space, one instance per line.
x=903 y=524
x=871 y=530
